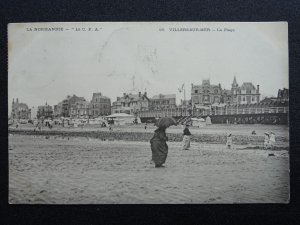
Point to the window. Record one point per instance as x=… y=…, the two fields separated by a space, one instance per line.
x=196 y=91
x=244 y=99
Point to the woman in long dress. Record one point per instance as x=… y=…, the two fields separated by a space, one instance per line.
x=272 y=140
x=266 y=141
x=229 y=141
x=159 y=147
x=186 y=138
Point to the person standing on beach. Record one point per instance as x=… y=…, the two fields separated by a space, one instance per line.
x=272 y=140
x=229 y=141
x=267 y=141
x=39 y=125
x=159 y=147
x=186 y=138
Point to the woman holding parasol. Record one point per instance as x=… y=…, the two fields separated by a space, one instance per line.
x=159 y=140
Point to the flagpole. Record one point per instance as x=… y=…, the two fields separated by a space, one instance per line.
x=184 y=95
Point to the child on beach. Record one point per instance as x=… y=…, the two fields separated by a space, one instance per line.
x=229 y=141
x=272 y=140
x=267 y=141
x=186 y=138
x=39 y=125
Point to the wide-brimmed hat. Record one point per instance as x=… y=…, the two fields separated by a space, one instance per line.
x=266 y=133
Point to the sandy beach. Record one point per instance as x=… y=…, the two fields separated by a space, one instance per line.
x=80 y=170
x=222 y=129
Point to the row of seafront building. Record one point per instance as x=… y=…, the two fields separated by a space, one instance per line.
x=202 y=96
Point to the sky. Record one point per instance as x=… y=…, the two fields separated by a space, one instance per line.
x=49 y=65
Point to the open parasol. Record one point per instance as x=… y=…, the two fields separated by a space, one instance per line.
x=165 y=122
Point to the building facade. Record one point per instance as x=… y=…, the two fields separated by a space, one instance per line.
x=162 y=101
x=45 y=112
x=206 y=93
x=64 y=107
x=100 y=105
x=131 y=103
x=57 y=110
x=34 y=111
x=283 y=95
x=20 y=110
x=80 y=109
x=244 y=94
x=282 y=98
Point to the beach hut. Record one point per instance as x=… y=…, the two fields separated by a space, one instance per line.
x=66 y=122
x=48 y=122
x=98 y=121
x=198 y=122
x=208 y=120
x=121 y=118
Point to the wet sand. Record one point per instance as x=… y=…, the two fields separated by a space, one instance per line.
x=91 y=171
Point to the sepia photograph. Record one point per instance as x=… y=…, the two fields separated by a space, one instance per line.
x=148 y=113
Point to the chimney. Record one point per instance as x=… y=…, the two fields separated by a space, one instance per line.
x=145 y=93
x=17 y=100
x=118 y=98
x=140 y=94
x=257 y=89
x=13 y=100
x=220 y=85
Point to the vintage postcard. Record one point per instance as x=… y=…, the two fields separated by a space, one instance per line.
x=148 y=112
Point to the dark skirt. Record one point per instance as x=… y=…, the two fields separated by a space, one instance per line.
x=159 y=151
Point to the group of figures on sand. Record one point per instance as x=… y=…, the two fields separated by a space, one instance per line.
x=269 y=142
x=159 y=140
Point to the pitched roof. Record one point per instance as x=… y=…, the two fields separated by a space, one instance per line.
x=164 y=96
x=132 y=97
x=228 y=92
x=234 y=82
x=248 y=85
